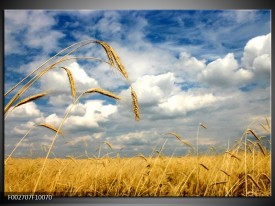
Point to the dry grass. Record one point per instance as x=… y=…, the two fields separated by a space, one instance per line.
x=142 y=176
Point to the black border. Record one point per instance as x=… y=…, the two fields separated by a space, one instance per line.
x=125 y=5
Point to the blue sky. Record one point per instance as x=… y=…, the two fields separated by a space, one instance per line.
x=187 y=67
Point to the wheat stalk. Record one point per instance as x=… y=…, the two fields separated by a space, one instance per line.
x=204 y=166
x=261 y=148
x=72 y=83
x=97 y=90
x=108 y=144
x=103 y=92
x=263 y=174
x=232 y=155
x=225 y=172
x=203 y=126
x=254 y=134
x=135 y=104
x=44 y=71
x=31 y=98
x=73 y=159
x=255 y=183
x=50 y=127
x=119 y=64
x=17 y=145
x=114 y=58
x=267 y=130
x=180 y=139
x=219 y=183
x=267 y=122
x=25 y=88
x=108 y=52
x=85 y=42
x=142 y=156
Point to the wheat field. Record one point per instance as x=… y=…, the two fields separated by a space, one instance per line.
x=243 y=170
x=218 y=175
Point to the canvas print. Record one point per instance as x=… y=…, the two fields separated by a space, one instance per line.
x=137 y=103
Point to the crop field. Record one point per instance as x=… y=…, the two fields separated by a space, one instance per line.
x=221 y=175
x=244 y=169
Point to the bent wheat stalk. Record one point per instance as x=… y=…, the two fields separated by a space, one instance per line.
x=181 y=139
x=31 y=98
x=93 y=90
x=50 y=127
x=43 y=64
x=108 y=144
x=135 y=104
x=110 y=51
x=72 y=84
x=17 y=145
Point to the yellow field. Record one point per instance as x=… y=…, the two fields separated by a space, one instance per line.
x=221 y=175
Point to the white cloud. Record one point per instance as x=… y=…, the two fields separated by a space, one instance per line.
x=53 y=119
x=60 y=100
x=91 y=113
x=29 y=109
x=134 y=138
x=256 y=47
x=159 y=73
x=152 y=89
x=189 y=67
x=34 y=28
x=186 y=102
x=225 y=72
x=81 y=139
x=257 y=58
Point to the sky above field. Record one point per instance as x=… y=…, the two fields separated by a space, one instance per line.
x=187 y=68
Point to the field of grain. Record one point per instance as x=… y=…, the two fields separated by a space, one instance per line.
x=243 y=170
x=219 y=175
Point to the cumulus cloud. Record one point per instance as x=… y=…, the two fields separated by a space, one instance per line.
x=160 y=97
x=29 y=109
x=188 y=67
x=178 y=83
x=186 y=102
x=160 y=86
x=86 y=116
x=255 y=47
x=225 y=72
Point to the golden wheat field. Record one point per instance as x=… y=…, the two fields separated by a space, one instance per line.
x=219 y=175
x=243 y=170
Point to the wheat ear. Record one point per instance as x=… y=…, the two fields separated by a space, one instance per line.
x=254 y=134
x=135 y=104
x=31 y=98
x=180 y=139
x=102 y=91
x=51 y=127
x=72 y=82
x=108 y=144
